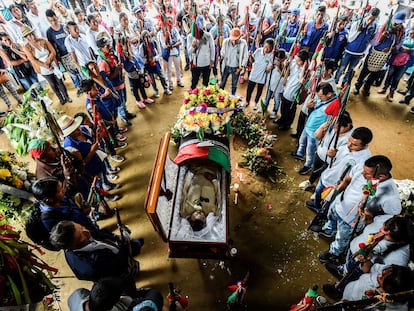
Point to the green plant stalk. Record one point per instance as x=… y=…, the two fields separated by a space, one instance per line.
x=15 y=290
x=24 y=284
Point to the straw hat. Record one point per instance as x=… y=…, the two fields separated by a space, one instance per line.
x=26 y=30
x=235 y=34
x=69 y=124
x=352 y=4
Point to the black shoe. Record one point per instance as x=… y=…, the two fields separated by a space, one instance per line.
x=305 y=170
x=100 y=216
x=187 y=67
x=127 y=122
x=69 y=100
x=412 y=110
x=130 y=115
x=315 y=228
x=356 y=91
x=294 y=135
x=326 y=256
x=333 y=269
x=402 y=101
x=326 y=234
x=311 y=205
x=3 y=114
x=296 y=156
x=332 y=292
x=402 y=92
x=78 y=93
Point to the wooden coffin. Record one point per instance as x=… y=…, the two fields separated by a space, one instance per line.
x=172 y=190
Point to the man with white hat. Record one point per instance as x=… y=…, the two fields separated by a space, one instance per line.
x=235 y=55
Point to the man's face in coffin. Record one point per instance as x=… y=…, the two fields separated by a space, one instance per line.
x=197 y=220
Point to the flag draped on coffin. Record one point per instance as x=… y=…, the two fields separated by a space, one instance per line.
x=212 y=153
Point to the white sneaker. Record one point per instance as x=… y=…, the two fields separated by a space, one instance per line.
x=304 y=185
x=255 y=106
x=112 y=177
x=156 y=95
x=272 y=115
x=313 y=196
x=117 y=158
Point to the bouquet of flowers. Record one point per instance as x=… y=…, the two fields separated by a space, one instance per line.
x=406 y=190
x=252 y=127
x=15 y=182
x=206 y=110
x=28 y=121
x=24 y=278
x=260 y=161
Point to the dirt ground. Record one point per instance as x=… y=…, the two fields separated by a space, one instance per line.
x=273 y=243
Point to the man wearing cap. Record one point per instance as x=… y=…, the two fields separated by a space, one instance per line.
x=50 y=163
x=384 y=41
x=95 y=32
x=360 y=34
x=289 y=31
x=202 y=51
x=235 y=55
x=142 y=23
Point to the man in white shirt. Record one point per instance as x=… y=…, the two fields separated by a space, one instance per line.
x=202 y=53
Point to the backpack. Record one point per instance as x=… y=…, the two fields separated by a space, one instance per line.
x=36 y=230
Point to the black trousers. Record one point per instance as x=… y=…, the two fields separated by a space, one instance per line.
x=197 y=72
x=366 y=78
x=288 y=111
x=250 y=88
x=301 y=123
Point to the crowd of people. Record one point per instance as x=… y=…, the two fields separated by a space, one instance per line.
x=299 y=54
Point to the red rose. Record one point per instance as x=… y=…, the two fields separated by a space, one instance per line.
x=186 y=101
x=221 y=98
x=207 y=92
x=268 y=158
x=362 y=245
x=195 y=91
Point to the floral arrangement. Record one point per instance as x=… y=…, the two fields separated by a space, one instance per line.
x=28 y=121
x=249 y=126
x=16 y=177
x=406 y=190
x=205 y=111
x=24 y=277
x=260 y=161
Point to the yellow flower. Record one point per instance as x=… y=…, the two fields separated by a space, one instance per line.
x=4 y=173
x=220 y=105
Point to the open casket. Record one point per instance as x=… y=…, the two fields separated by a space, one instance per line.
x=198 y=178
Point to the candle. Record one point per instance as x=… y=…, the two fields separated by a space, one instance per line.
x=241 y=176
x=236 y=196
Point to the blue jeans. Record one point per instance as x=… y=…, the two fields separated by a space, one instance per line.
x=276 y=99
x=318 y=194
x=349 y=61
x=307 y=144
x=76 y=77
x=394 y=76
x=343 y=232
x=27 y=81
x=122 y=109
x=234 y=78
